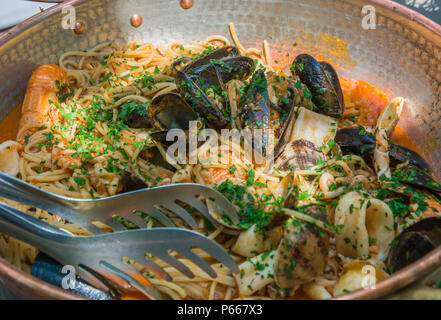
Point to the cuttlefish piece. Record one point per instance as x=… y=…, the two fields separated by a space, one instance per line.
x=386 y=124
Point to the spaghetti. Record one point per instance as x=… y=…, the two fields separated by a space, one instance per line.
x=76 y=145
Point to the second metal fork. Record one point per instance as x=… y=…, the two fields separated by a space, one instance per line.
x=83 y=212
x=96 y=256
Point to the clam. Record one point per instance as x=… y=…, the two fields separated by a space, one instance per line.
x=302 y=254
x=299 y=155
x=322 y=82
x=218 y=216
x=414 y=243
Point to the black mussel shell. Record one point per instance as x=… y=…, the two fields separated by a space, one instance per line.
x=414 y=176
x=178 y=64
x=333 y=78
x=255 y=111
x=414 y=243
x=198 y=101
x=357 y=140
x=130 y=182
x=134 y=114
x=219 y=72
x=169 y=111
x=402 y=154
x=325 y=95
x=212 y=71
x=222 y=53
x=156 y=158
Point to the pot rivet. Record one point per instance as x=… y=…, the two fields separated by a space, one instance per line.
x=136 y=20
x=186 y=4
x=80 y=27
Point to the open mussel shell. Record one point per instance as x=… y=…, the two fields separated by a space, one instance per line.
x=414 y=243
x=49 y=270
x=195 y=66
x=255 y=111
x=333 y=78
x=170 y=111
x=299 y=155
x=218 y=72
x=357 y=141
x=212 y=71
x=130 y=182
x=134 y=114
x=326 y=94
x=414 y=176
x=302 y=254
x=199 y=101
x=401 y=154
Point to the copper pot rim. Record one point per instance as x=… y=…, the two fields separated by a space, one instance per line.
x=11 y=274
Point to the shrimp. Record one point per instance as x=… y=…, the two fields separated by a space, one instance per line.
x=37 y=111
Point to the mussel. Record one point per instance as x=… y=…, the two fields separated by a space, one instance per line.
x=414 y=243
x=302 y=254
x=205 y=78
x=130 y=182
x=255 y=112
x=358 y=141
x=169 y=111
x=322 y=81
x=134 y=114
x=414 y=176
x=218 y=54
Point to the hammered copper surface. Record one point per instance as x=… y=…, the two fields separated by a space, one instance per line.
x=401 y=56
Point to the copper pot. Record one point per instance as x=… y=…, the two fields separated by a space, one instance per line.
x=402 y=56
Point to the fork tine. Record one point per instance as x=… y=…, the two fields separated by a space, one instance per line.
x=216 y=251
x=175 y=263
x=99 y=279
x=182 y=213
x=134 y=278
x=201 y=263
x=114 y=224
x=93 y=229
x=197 y=204
x=151 y=266
x=161 y=217
x=137 y=220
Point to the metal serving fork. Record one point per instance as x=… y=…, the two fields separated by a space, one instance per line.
x=83 y=211
x=96 y=256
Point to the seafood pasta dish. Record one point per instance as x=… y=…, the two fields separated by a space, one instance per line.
x=328 y=189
